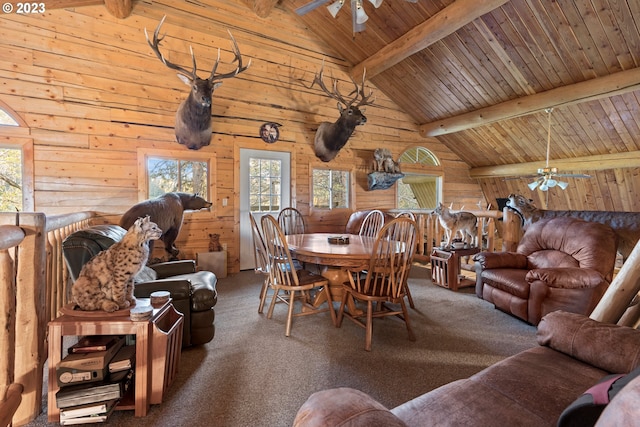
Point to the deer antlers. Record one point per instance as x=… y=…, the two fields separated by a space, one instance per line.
x=155 y=46
x=335 y=93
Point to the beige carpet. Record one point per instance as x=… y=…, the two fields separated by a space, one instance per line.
x=251 y=375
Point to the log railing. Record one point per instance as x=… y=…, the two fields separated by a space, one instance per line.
x=32 y=289
x=431 y=232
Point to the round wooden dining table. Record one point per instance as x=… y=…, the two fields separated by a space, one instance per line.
x=315 y=248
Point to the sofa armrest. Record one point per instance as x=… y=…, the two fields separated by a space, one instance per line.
x=566 y=278
x=179 y=289
x=174 y=268
x=344 y=407
x=487 y=260
x=607 y=346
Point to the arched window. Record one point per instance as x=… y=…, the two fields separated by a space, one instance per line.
x=421 y=187
x=419 y=155
x=16 y=163
x=6 y=119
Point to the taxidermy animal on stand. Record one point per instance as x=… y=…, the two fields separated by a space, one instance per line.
x=331 y=137
x=384 y=161
x=465 y=223
x=193 y=118
x=106 y=280
x=167 y=211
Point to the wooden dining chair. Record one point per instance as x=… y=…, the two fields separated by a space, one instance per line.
x=384 y=287
x=372 y=223
x=291 y=221
x=407 y=214
x=261 y=260
x=300 y=286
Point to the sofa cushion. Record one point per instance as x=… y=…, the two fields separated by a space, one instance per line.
x=344 y=407
x=551 y=259
x=147 y=274
x=613 y=348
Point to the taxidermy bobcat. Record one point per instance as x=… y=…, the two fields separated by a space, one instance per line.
x=453 y=222
x=106 y=281
x=625 y=224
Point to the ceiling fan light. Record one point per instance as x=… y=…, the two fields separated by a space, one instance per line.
x=544 y=186
x=335 y=7
x=533 y=185
x=551 y=182
x=361 y=16
x=376 y=3
x=563 y=184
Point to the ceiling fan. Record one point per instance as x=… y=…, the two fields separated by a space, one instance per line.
x=358 y=15
x=546 y=177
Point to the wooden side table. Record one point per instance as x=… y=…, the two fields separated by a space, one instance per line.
x=95 y=323
x=445 y=267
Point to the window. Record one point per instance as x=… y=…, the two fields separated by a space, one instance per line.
x=10 y=179
x=169 y=175
x=16 y=163
x=165 y=171
x=421 y=187
x=330 y=189
x=264 y=185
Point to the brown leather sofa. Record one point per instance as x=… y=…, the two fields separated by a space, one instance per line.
x=193 y=292
x=560 y=264
x=531 y=388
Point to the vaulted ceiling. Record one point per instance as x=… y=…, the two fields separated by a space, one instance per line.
x=479 y=74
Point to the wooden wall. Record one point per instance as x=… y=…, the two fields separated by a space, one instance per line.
x=91 y=93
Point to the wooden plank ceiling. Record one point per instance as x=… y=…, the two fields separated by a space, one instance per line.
x=481 y=84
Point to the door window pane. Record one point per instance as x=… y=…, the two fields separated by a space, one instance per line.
x=265 y=179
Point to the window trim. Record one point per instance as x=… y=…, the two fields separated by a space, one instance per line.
x=352 y=187
x=19 y=138
x=143 y=155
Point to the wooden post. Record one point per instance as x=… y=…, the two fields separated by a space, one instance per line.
x=30 y=315
x=621 y=292
x=511 y=230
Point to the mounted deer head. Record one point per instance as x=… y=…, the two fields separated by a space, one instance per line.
x=193 y=118
x=331 y=137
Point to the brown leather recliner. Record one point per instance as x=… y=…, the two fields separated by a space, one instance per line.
x=193 y=292
x=560 y=264
x=355 y=220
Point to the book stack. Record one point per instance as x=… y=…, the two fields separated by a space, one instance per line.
x=93 y=377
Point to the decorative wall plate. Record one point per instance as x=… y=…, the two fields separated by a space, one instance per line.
x=269 y=132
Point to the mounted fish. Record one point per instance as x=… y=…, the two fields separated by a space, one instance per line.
x=331 y=137
x=193 y=118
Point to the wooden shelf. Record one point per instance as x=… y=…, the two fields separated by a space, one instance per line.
x=158 y=342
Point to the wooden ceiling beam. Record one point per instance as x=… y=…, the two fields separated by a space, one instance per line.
x=118 y=8
x=589 y=90
x=586 y=163
x=439 y=26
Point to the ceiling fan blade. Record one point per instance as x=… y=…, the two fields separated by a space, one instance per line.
x=573 y=175
x=310 y=6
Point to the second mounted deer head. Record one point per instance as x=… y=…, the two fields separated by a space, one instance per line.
x=331 y=137
x=193 y=118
